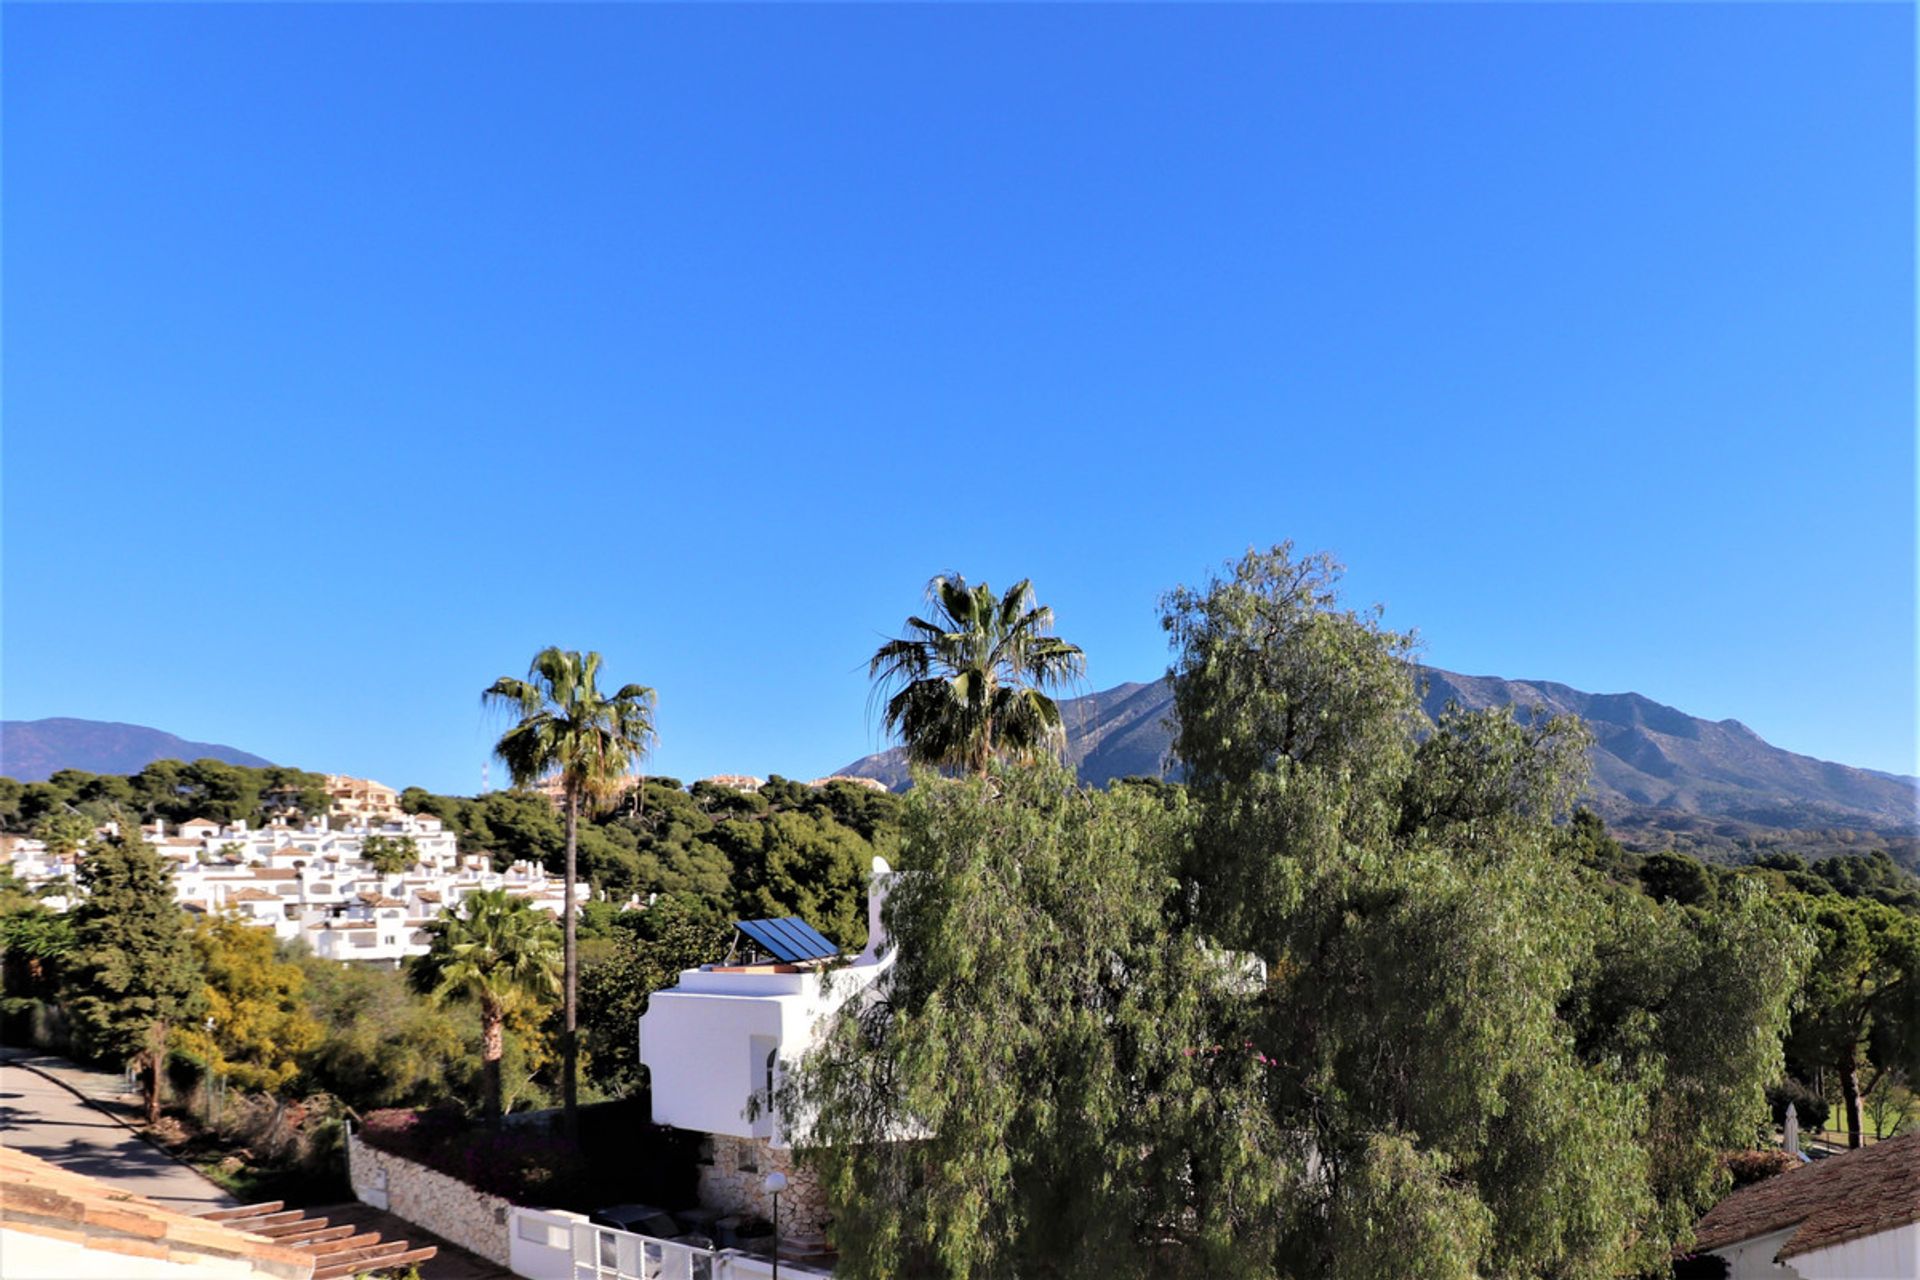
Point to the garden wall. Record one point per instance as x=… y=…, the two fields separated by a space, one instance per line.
x=445 y=1206
x=734 y=1182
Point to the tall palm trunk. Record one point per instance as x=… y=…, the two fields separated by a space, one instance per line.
x=493 y=1047
x=569 y=1041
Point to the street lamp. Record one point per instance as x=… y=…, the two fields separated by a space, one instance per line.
x=775 y=1183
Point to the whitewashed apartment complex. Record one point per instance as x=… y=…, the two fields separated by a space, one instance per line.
x=314 y=883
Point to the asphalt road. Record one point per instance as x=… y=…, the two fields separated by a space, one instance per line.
x=45 y=1119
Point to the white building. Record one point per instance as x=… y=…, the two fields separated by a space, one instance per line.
x=314 y=882
x=1847 y=1217
x=717 y=1045
x=717 y=1042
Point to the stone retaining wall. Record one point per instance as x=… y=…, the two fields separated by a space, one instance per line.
x=449 y=1208
x=734 y=1182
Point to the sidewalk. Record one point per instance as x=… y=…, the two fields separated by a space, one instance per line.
x=83 y=1120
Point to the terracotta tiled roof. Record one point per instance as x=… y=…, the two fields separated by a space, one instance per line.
x=41 y=1199
x=250 y=894
x=1831 y=1201
x=275 y=873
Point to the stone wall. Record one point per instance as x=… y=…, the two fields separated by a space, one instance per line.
x=449 y=1208
x=734 y=1182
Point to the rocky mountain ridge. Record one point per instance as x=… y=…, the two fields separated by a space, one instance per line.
x=1659 y=774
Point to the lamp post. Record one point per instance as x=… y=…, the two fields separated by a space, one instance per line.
x=775 y=1183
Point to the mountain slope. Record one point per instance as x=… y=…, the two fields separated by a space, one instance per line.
x=34 y=750
x=1654 y=767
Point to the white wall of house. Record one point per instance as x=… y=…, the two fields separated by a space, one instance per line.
x=1891 y=1255
x=1753 y=1259
x=706 y=1040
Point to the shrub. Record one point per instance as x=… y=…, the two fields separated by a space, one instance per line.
x=1749 y=1167
x=1808 y=1105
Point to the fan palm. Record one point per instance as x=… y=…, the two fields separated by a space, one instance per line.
x=587 y=741
x=492 y=952
x=970 y=684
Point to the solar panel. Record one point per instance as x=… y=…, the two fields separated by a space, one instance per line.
x=789 y=940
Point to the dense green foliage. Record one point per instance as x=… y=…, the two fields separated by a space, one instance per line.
x=170 y=790
x=1056 y=1044
x=789 y=849
x=498 y=953
x=132 y=975
x=391 y=855
x=258 y=1028
x=1471 y=1029
x=643 y=953
x=969 y=686
x=1862 y=1000
x=1479 y=1049
x=35 y=941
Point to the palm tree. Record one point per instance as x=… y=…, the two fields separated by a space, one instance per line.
x=589 y=742
x=493 y=951
x=968 y=686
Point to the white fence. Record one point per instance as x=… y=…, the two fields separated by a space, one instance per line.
x=552 y=1244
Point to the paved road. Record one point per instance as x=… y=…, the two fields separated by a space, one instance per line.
x=45 y=1119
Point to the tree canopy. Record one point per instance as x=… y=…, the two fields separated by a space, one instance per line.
x=132 y=976
x=1356 y=1005
x=496 y=952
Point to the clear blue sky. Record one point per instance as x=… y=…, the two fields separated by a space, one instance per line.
x=353 y=353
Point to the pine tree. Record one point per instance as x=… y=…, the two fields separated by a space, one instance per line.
x=133 y=975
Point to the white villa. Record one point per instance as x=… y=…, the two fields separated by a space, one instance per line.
x=717 y=1044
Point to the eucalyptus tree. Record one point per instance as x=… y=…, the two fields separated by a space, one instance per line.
x=970 y=684
x=492 y=952
x=589 y=742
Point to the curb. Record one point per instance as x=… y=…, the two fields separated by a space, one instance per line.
x=49 y=1077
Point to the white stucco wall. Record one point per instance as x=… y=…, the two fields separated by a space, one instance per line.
x=705 y=1040
x=1753 y=1259
x=1891 y=1255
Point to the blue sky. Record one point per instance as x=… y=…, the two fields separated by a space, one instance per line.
x=353 y=353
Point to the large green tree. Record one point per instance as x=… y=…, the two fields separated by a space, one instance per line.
x=1490 y=1058
x=590 y=742
x=970 y=685
x=132 y=976
x=1051 y=1082
x=1862 y=1001
x=495 y=952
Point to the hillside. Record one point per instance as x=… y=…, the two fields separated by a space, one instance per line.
x=1659 y=774
x=34 y=750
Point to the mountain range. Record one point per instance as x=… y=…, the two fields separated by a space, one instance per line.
x=1660 y=776
x=34 y=750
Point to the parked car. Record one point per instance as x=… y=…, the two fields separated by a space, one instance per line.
x=642 y=1219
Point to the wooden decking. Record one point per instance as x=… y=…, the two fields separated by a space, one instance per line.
x=338 y=1251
